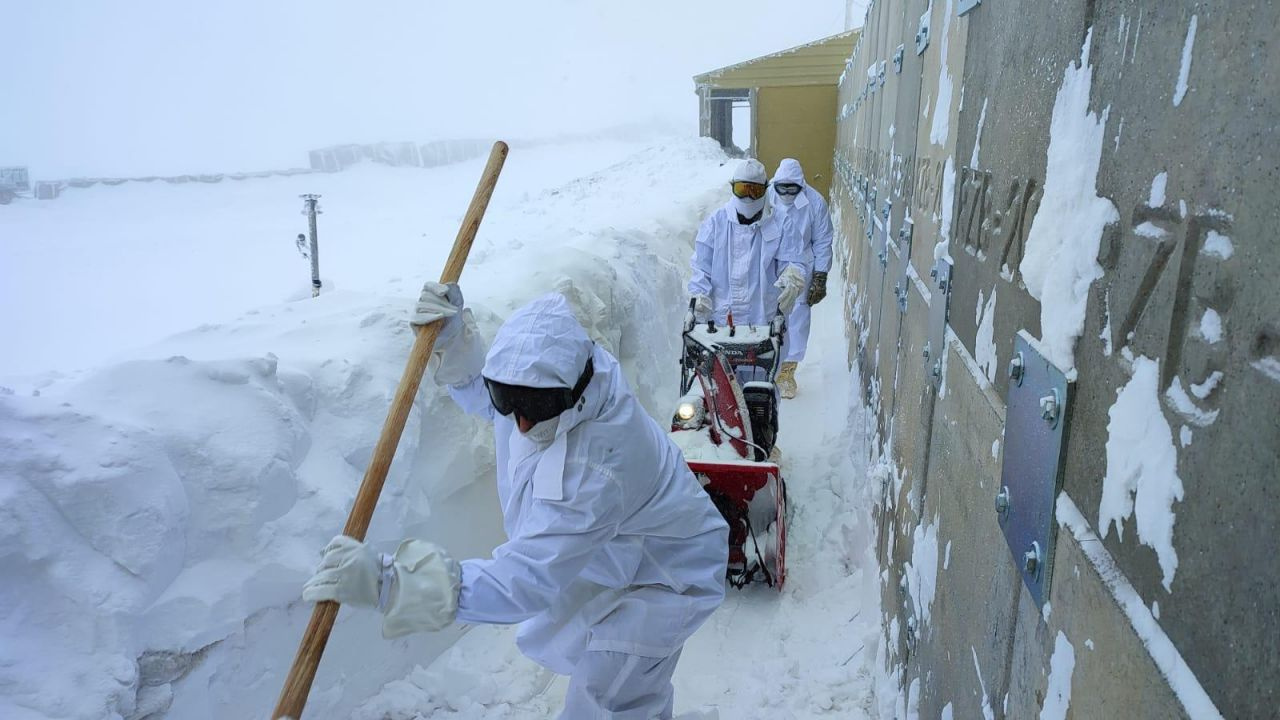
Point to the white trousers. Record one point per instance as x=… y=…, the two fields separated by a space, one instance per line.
x=797 y=329
x=617 y=686
x=602 y=684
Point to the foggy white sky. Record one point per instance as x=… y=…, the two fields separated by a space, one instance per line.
x=173 y=87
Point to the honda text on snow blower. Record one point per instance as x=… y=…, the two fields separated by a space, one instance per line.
x=726 y=422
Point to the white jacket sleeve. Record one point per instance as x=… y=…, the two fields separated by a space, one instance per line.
x=703 y=252
x=473 y=398
x=823 y=232
x=527 y=573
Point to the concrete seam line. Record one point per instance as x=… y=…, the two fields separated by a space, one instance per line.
x=984 y=385
x=923 y=289
x=1163 y=652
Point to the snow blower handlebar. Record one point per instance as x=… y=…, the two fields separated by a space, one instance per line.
x=293 y=697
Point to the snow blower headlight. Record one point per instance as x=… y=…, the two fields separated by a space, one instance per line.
x=686 y=411
x=688 y=414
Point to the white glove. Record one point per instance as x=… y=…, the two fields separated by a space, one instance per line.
x=702 y=306
x=425 y=594
x=416 y=589
x=438 y=301
x=458 y=355
x=350 y=573
x=790 y=284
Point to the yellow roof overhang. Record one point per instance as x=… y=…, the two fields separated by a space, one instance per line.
x=816 y=63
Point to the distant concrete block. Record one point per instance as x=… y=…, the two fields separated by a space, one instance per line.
x=15 y=179
x=47 y=190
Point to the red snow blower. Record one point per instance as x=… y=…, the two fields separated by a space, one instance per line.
x=726 y=422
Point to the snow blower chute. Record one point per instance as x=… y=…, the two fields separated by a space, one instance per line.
x=726 y=422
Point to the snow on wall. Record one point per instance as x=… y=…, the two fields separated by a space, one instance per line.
x=948 y=200
x=1181 y=403
x=1142 y=467
x=161 y=513
x=922 y=571
x=1184 y=70
x=1061 y=259
x=940 y=128
x=1061 y=666
x=1162 y=650
x=1211 y=326
x=987 y=712
x=985 y=344
x=977 y=136
x=1156 y=197
x=1217 y=245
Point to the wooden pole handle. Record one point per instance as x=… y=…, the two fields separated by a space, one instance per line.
x=293 y=697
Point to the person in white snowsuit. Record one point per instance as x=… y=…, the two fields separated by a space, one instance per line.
x=803 y=213
x=615 y=554
x=744 y=261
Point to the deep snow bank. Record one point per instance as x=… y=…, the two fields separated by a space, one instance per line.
x=158 y=515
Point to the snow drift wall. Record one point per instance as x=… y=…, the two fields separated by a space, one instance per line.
x=158 y=515
x=1080 y=167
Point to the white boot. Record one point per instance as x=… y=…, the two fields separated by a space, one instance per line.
x=786 y=380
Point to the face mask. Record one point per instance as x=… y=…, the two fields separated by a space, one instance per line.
x=787 y=200
x=544 y=432
x=747 y=207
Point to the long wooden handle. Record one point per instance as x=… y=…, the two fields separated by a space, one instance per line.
x=293 y=697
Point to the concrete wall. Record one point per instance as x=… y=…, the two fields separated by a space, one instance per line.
x=798 y=122
x=991 y=78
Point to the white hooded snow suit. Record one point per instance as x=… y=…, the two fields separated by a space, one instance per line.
x=615 y=553
x=810 y=221
x=737 y=265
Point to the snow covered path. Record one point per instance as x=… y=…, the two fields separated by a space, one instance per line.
x=809 y=653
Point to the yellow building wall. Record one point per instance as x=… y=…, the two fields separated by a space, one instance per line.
x=798 y=122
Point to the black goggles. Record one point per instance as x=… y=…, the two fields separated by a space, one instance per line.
x=787 y=188
x=537 y=404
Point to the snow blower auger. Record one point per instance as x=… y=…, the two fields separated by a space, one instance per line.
x=726 y=422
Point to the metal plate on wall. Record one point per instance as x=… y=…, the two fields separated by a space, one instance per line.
x=939 y=305
x=965 y=6
x=882 y=233
x=869 y=194
x=1036 y=418
x=902 y=285
x=922 y=33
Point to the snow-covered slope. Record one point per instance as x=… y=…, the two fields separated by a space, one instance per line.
x=159 y=513
x=98 y=272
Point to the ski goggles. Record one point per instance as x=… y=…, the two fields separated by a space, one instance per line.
x=744 y=189
x=787 y=188
x=537 y=404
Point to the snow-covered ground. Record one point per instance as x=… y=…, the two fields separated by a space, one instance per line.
x=163 y=498
x=101 y=271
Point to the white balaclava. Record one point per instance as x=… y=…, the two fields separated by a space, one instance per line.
x=749 y=170
x=789 y=171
